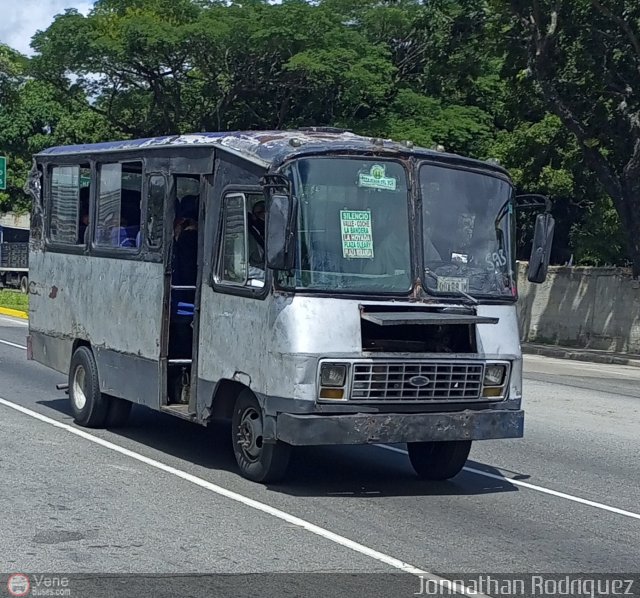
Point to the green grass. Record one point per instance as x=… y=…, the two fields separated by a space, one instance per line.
x=14 y=300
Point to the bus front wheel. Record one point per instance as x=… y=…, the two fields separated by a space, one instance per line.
x=438 y=460
x=258 y=461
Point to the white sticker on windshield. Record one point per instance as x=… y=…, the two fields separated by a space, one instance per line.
x=459 y=258
x=357 y=238
x=452 y=283
x=377 y=179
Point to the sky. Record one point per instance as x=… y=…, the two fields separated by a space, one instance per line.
x=20 y=19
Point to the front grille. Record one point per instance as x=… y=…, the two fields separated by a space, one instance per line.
x=396 y=381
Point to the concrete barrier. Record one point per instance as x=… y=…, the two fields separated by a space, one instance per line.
x=15 y=220
x=593 y=308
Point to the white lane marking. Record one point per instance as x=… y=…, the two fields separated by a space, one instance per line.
x=15 y=321
x=12 y=345
x=582 y=501
x=254 y=504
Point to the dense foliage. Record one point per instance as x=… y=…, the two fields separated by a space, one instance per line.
x=549 y=88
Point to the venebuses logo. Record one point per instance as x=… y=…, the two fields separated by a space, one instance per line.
x=18 y=584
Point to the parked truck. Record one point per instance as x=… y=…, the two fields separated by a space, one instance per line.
x=14 y=257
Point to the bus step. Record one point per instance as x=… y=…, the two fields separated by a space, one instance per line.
x=179 y=410
x=182 y=288
x=180 y=361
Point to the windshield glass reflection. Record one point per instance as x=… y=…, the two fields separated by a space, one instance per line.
x=353 y=226
x=468 y=237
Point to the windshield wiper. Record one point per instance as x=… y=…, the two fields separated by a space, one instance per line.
x=471 y=298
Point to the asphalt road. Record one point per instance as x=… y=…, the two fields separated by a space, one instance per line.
x=563 y=499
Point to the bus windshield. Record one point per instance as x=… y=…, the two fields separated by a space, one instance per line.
x=353 y=227
x=468 y=232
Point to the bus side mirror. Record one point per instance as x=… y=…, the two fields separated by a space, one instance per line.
x=280 y=232
x=541 y=248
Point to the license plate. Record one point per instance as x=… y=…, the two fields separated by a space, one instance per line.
x=450 y=283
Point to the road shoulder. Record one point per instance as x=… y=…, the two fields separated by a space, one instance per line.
x=588 y=355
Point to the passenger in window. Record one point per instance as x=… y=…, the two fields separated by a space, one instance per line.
x=125 y=234
x=129 y=225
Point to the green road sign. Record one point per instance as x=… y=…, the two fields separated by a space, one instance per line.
x=3 y=173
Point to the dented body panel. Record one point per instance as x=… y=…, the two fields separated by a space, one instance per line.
x=299 y=332
x=113 y=306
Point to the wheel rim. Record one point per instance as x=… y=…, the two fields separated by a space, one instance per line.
x=79 y=397
x=249 y=435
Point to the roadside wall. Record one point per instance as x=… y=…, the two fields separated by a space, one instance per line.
x=595 y=308
x=11 y=219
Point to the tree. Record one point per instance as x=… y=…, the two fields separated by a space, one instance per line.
x=446 y=85
x=131 y=58
x=584 y=56
x=35 y=114
x=515 y=81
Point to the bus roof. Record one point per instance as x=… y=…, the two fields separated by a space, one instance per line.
x=268 y=147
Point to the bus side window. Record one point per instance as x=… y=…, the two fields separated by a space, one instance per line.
x=233 y=251
x=69 y=204
x=119 y=209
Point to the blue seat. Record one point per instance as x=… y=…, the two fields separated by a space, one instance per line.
x=124 y=236
x=185 y=309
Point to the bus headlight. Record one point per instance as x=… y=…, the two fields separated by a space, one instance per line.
x=333 y=381
x=495 y=381
x=333 y=375
x=494 y=374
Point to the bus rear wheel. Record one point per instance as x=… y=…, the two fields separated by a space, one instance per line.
x=258 y=461
x=438 y=460
x=88 y=404
x=92 y=408
x=24 y=285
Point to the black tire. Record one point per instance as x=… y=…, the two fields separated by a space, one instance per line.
x=118 y=412
x=24 y=285
x=438 y=460
x=88 y=404
x=257 y=461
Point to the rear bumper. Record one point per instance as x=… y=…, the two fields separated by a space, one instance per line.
x=305 y=430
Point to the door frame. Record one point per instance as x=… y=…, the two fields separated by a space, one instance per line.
x=169 y=213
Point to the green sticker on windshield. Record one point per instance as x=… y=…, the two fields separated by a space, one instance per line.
x=377 y=179
x=357 y=238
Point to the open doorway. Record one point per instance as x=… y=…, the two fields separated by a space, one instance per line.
x=184 y=278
